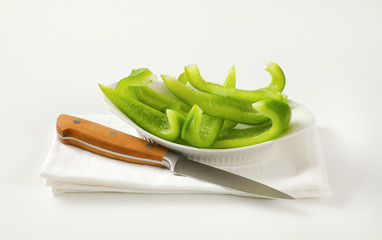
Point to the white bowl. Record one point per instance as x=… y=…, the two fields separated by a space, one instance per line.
x=302 y=120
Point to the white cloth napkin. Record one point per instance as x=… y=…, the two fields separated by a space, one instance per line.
x=299 y=172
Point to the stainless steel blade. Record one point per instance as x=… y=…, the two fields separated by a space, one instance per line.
x=183 y=166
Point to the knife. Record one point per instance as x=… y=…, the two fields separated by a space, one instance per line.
x=115 y=144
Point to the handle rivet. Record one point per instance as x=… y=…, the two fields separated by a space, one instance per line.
x=149 y=146
x=76 y=121
x=113 y=132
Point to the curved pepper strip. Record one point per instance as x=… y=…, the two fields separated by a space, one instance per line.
x=271 y=91
x=280 y=114
x=278 y=78
x=219 y=106
x=201 y=130
x=164 y=125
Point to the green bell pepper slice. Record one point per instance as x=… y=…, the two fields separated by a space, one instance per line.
x=136 y=85
x=278 y=77
x=230 y=82
x=201 y=130
x=219 y=106
x=137 y=77
x=278 y=111
x=160 y=101
x=164 y=125
x=272 y=91
x=183 y=78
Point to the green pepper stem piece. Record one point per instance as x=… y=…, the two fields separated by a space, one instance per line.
x=280 y=114
x=164 y=125
x=200 y=130
x=196 y=80
x=137 y=77
x=214 y=105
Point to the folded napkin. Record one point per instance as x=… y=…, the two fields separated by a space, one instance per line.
x=296 y=168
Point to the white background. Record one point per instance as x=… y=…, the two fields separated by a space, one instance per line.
x=53 y=54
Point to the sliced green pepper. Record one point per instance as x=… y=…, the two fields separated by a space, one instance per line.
x=199 y=129
x=162 y=115
x=137 y=77
x=183 y=78
x=159 y=101
x=219 y=106
x=278 y=78
x=278 y=111
x=202 y=130
x=230 y=82
x=135 y=84
x=271 y=91
x=164 y=125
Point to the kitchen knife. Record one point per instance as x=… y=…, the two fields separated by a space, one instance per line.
x=112 y=143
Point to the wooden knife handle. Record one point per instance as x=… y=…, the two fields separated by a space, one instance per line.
x=106 y=141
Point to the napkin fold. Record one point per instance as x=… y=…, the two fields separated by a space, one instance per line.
x=296 y=167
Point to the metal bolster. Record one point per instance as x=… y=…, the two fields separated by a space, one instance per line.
x=170 y=159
